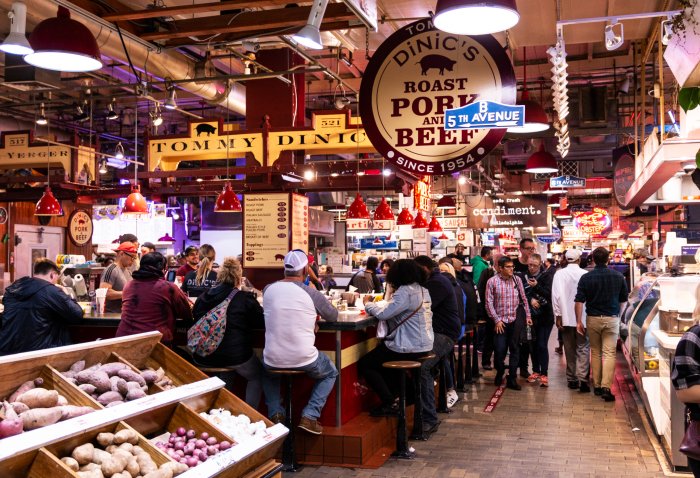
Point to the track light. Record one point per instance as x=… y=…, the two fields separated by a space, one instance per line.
x=613 y=39
x=111 y=114
x=667 y=26
x=309 y=175
x=80 y=114
x=16 y=42
x=625 y=85
x=171 y=101
x=156 y=117
x=41 y=120
x=119 y=151
x=103 y=167
x=310 y=35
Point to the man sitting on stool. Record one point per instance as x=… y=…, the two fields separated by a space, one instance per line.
x=290 y=309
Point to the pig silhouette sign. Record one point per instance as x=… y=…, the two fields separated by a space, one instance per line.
x=440 y=62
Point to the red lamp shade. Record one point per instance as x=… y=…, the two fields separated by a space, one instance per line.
x=227 y=201
x=541 y=162
x=63 y=44
x=535 y=117
x=443 y=237
x=135 y=202
x=405 y=217
x=553 y=200
x=48 y=205
x=434 y=225
x=358 y=209
x=383 y=212
x=420 y=222
x=564 y=213
x=166 y=238
x=446 y=202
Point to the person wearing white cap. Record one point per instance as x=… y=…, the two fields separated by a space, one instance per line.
x=290 y=309
x=576 y=346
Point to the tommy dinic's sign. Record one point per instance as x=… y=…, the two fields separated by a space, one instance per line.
x=330 y=133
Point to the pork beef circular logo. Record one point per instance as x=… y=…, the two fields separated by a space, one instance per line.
x=414 y=77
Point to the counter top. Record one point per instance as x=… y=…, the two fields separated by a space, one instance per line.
x=356 y=322
x=665 y=340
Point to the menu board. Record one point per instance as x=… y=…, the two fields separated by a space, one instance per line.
x=266 y=229
x=300 y=222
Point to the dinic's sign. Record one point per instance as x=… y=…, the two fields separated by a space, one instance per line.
x=414 y=78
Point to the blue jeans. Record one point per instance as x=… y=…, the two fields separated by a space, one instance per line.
x=502 y=343
x=540 y=356
x=442 y=345
x=321 y=370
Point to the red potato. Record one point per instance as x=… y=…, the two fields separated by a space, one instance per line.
x=149 y=376
x=39 y=398
x=40 y=417
x=87 y=388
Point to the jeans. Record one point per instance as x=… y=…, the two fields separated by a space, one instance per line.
x=509 y=340
x=540 y=356
x=442 y=345
x=577 y=351
x=321 y=370
x=602 y=334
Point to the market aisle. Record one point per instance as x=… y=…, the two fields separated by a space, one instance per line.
x=538 y=432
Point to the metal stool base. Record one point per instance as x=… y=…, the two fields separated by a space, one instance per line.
x=406 y=455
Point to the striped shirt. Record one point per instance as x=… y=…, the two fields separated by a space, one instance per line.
x=686 y=366
x=502 y=298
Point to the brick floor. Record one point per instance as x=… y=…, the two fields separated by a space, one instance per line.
x=537 y=432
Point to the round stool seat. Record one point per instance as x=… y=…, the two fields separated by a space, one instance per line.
x=401 y=364
x=425 y=357
x=208 y=369
x=285 y=371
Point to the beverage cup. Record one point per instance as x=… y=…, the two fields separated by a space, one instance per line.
x=100 y=305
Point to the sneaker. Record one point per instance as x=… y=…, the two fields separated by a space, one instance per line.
x=533 y=378
x=572 y=384
x=310 y=425
x=452 y=398
x=277 y=418
x=607 y=395
x=544 y=381
x=558 y=350
x=584 y=388
x=597 y=391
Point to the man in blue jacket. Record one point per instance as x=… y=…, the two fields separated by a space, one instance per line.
x=37 y=312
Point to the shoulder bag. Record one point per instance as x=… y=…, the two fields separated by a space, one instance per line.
x=690 y=446
x=205 y=336
x=383 y=326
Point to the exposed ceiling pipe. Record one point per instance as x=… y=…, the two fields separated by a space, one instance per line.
x=159 y=64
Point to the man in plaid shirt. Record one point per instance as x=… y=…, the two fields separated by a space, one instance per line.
x=504 y=293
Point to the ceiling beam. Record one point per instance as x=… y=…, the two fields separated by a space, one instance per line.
x=129 y=15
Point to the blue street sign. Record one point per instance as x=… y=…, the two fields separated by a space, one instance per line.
x=567 y=182
x=485 y=115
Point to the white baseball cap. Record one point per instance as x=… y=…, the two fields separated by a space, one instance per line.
x=572 y=255
x=295 y=260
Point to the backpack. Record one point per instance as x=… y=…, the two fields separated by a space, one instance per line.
x=205 y=336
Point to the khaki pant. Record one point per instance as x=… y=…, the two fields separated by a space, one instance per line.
x=602 y=335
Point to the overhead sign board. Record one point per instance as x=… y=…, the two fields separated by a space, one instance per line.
x=594 y=222
x=567 y=182
x=414 y=77
x=510 y=211
x=550 y=238
x=485 y=115
x=623 y=176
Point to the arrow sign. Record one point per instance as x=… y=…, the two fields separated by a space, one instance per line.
x=485 y=115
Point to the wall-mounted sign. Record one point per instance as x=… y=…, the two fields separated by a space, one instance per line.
x=369 y=225
x=266 y=229
x=550 y=238
x=421 y=194
x=300 y=222
x=3 y=215
x=414 y=77
x=623 y=177
x=573 y=234
x=486 y=115
x=594 y=222
x=567 y=182
x=80 y=227
x=511 y=211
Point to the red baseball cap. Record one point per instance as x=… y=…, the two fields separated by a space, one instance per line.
x=127 y=247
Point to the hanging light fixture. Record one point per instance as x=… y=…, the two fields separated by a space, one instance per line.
x=443 y=237
x=111 y=114
x=535 y=117
x=421 y=222
x=562 y=213
x=383 y=212
x=41 y=119
x=48 y=205
x=103 y=167
x=446 y=202
x=63 y=44
x=16 y=42
x=613 y=39
x=310 y=35
x=119 y=151
x=541 y=162
x=166 y=238
x=553 y=200
x=156 y=117
x=405 y=217
x=171 y=101
x=81 y=114
x=358 y=209
x=475 y=17
x=434 y=225
x=227 y=201
x=135 y=203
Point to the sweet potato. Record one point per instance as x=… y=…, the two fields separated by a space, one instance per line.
x=105 y=439
x=71 y=463
x=19 y=407
x=69 y=374
x=92 y=368
x=87 y=388
x=109 y=397
x=26 y=386
x=97 y=378
x=126 y=436
x=160 y=374
x=134 y=394
x=72 y=411
x=39 y=398
x=78 y=366
x=83 y=453
x=113 y=367
x=61 y=400
x=118 y=384
x=131 y=376
x=149 y=376
x=40 y=417
x=123 y=386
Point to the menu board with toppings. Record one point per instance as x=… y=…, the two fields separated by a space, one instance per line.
x=300 y=222
x=266 y=229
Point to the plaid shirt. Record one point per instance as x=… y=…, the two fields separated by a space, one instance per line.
x=502 y=298
x=686 y=366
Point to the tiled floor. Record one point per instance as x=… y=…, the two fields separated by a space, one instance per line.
x=538 y=432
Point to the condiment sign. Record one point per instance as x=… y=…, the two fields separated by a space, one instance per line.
x=80 y=227
x=511 y=211
x=418 y=74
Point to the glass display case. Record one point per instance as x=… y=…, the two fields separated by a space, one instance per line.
x=641 y=317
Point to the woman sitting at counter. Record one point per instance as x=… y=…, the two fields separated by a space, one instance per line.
x=243 y=315
x=204 y=278
x=409 y=335
x=149 y=302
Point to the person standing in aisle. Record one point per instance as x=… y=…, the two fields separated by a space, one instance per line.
x=191 y=261
x=459 y=253
x=603 y=291
x=290 y=309
x=204 y=278
x=37 y=312
x=487 y=325
x=446 y=329
x=527 y=247
x=147 y=248
x=576 y=346
x=504 y=296
x=117 y=275
x=481 y=262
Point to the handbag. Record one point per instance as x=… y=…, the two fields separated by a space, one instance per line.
x=383 y=326
x=690 y=446
x=205 y=336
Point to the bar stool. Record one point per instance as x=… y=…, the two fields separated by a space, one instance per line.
x=289 y=458
x=418 y=433
x=442 y=388
x=401 y=440
x=461 y=342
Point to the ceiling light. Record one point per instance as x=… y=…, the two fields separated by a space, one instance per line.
x=358 y=209
x=434 y=225
x=227 y=201
x=199 y=180
x=310 y=35
x=386 y=172
x=689 y=166
x=614 y=40
x=535 y=117
x=383 y=212
x=103 y=167
x=334 y=175
x=119 y=151
x=48 y=205
x=41 y=120
x=462 y=180
x=667 y=28
x=156 y=117
x=360 y=173
x=171 y=101
x=446 y=202
x=166 y=238
x=405 y=217
x=80 y=114
x=111 y=114
x=541 y=162
x=63 y=44
x=475 y=17
x=309 y=175
x=625 y=85
x=16 y=42
x=420 y=221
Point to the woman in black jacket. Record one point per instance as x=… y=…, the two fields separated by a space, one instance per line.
x=243 y=315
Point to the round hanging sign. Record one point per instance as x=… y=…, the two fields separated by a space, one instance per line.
x=80 y=227
x=415 y=76
x=3 y=215
x=623 y=178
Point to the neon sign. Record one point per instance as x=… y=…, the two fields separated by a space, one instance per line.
x=421 y=194
x=592 y=222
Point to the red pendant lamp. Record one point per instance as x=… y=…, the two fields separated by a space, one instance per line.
x=446 y=202
x=434 y=225
x=553 y=200
x=535 y=117
x=135 y=202
x=227 y=201
x=48 y=205
x=166 y=238
x=383 y=212
x=421 y=222
x=562 y=213
x=405 y=217
x=443 y=237
x=541 y=162
x=358 y=209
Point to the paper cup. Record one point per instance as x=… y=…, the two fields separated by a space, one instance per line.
x=101 y=292
x=100 y=305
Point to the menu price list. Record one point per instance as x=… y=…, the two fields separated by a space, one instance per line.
x=266 y=229
x=300 y=222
